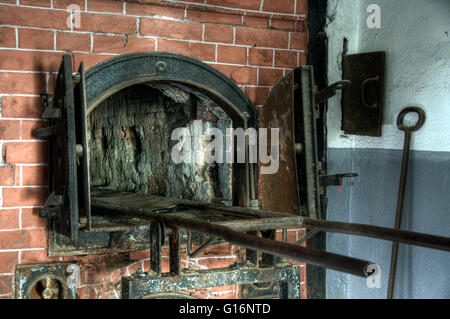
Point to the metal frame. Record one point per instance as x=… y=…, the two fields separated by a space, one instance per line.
x=69 y=208
x=141 y=285
x=121 y=72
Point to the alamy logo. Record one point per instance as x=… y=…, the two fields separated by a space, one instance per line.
x=74 y=18
x=374 y=279
x=195 y=147
x=374 y=19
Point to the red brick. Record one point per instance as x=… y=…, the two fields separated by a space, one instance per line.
x=260 y=57
x=26 y=152
x=119 y=44
x=88 y=59
x=218 y=33
x=9 y=130
x=107 y=23
x=212 y=263
x=201 y=294
x=35 y=3
x=135 y=44
x=69 y=41
x=171 y=29
x=108 y=44
x=285 y=6
x=36 y=39
x=223 y=288
x=302 y=58
x=214 y=17
x=299 y=41
x=6 y=283
x=302 y=7
x=262 y=38
x=22 y=16
x=132 y=268
x=291 y=236
x=9 y=219
x=215 y=250
x=30 y=218
x=200 y=51
x=303 y=287
x=8 y=1
x=256 y=22
x=7 y=37
x=21 y=106
x=283 y=24
x=34 y=175
x=30 y=61
x=8 y=261
x=105 y=6
x=36 y=256
x=247 y=4
x=257 y=94
x=20 y=239
x=7 y=176
x=28 y=129
x=52 y=82
x=27 y=196
x=239 y=74
x=113 y=258
x=154 y=10
x=228 y=295
x=301 y=26
x=269 y=77
x=232 y=54
x=24 y=83
x=140 y=255
x=87 y=292
x=286 y=59
x=63 y=4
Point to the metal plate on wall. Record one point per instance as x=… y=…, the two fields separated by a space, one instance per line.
x=362 y=101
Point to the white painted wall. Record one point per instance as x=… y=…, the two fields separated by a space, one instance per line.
x=416 y=37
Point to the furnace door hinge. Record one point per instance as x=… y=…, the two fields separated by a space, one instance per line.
x=68 y=164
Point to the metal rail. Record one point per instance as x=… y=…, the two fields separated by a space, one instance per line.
x=231 y=231
x=280 y=220
x=308 y=255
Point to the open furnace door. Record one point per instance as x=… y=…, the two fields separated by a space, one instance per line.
x=290 y=107
x=293 y=107
x=68 y=165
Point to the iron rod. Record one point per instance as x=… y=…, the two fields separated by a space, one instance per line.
x=396 y=235
x=315 y=257
x=401 y=236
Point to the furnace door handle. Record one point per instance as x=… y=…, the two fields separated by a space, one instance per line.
x=363 y=92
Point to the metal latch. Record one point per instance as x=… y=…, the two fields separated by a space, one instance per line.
x=334 y=180
x=330 y=91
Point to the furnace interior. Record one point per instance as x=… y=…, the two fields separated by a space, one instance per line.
x=130 y=144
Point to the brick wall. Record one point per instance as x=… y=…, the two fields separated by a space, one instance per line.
x=254 y=42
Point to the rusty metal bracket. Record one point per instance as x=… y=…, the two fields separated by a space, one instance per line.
x=330 y=91
x=334 y=180
x=210 y=241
